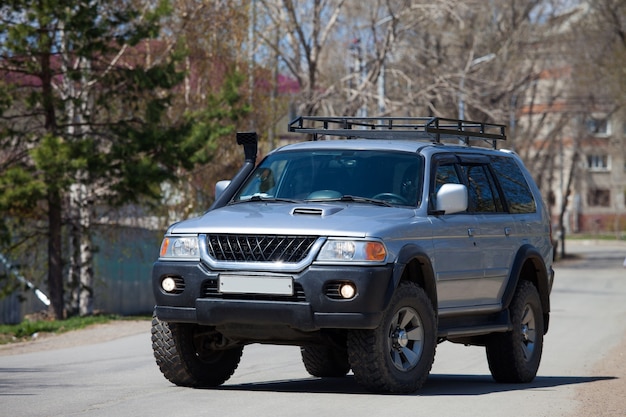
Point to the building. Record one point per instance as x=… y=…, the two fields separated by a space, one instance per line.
x=598 y=204
x=574 y=134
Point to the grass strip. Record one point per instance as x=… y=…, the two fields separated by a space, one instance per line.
x=25 y=330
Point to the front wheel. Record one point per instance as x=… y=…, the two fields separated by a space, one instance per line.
x=325 y=361
x=396 y=356
x=186 y=354
x=514 y=356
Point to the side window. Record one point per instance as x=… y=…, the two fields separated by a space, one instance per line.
x=517 y=193
x=446 y=174
x=483 y=194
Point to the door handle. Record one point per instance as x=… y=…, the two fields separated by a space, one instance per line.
x=470 y=231
x=507 y=231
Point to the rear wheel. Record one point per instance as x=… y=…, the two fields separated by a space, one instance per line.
x=188 y=355
x=396 y=356
x=325 y=361
x=514 y=356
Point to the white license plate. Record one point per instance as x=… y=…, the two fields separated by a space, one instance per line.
x=253 y=284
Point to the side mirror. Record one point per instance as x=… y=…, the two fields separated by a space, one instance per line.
x=452 y=198
x=220 y=187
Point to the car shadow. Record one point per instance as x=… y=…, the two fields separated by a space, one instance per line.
x=484 y=384
x=436 y=385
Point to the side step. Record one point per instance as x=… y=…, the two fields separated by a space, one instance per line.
x=473 y=331
x=465 y=326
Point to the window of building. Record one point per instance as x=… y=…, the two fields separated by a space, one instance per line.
x=598 y=197
x=596 y=162
x=598 y=127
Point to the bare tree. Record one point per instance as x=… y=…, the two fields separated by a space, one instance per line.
x=307 y=27
x=213 y=36
x=599 y=62
x=580 y=63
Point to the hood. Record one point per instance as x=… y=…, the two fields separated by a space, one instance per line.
x=318 y=219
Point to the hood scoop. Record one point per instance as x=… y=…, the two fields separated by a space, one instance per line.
x=315 y=211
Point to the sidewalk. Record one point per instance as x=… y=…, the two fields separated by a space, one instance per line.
x=575 y=249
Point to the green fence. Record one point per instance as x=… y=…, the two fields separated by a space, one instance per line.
x=122 y=268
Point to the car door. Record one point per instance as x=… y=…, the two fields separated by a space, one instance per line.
x=530 y=226
x=496 y=231
x=456 y=254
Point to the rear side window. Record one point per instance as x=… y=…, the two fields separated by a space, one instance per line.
x=517 y=193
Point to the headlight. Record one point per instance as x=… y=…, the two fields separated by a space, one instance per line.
x=352 y=251
x=180 y=247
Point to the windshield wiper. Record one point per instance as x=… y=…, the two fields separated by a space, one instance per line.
x=352 y=199
x=358 y=199
x=266 y=199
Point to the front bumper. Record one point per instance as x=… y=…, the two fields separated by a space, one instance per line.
x=312 y=310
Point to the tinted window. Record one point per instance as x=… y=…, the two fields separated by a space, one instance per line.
x=395 y=177
x=446 y=174
x=518 y=196
x=483 y=195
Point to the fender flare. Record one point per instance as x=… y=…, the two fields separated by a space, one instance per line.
x=543 y=279
x=407 y=254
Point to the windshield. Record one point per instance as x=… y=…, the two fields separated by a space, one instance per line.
x=393 y=177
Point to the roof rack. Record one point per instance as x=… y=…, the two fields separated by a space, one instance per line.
x=434 y=129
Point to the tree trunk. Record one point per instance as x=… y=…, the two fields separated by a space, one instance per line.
x=55 y=248
x=86 y=256
x=81 y=265
x=55 y=260
x=568 y=191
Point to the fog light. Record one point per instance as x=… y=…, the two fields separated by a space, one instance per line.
x=168 y=284
x=347 y=290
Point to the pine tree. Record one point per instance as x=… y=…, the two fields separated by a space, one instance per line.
x=83 y=122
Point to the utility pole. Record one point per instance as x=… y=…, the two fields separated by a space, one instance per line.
x=251 y=47
x=358 y=73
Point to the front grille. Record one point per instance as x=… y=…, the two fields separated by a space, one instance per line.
x=210 y=290
x=257 y=248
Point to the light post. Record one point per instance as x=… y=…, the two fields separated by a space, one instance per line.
x=359 y=69
x=473 y=63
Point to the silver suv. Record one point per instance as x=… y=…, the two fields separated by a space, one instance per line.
x=366 y=251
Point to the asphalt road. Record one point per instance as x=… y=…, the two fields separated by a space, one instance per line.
x=119 y=377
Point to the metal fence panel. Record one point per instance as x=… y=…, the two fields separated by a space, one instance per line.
x=122 y=267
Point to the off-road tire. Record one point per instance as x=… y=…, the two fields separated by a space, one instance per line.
x=514 y=356
x=182 y=363
x=397 y=355
x=325 y=361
